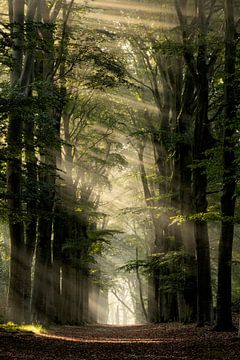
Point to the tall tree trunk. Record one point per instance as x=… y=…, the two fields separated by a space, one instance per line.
x=187 y=300
x=185 y=121
x=43 y=294
x=60 y=222
x=201 y=136
x=20 y=78
x=31 y=222
x=228 y=199
x=199 y=70
x=42 y=278
x=153 y=281
x=14 y=171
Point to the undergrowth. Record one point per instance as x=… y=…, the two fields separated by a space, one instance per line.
x=34 y=328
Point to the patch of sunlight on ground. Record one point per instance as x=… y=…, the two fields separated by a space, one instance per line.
x=34 y=328
x=113 y=340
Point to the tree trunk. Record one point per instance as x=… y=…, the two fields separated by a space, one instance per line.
x=31 y=222
x=188 y=299
x=199 y=70
x=140 y=287
x=66 y=293
x=185 y=121
x=58 y=240
x=201 y=136
x=14 y=173
x=228 y=199
x=202 y=142
x=21 y=75
x=42 y=289
x=153 y=286
x=43 y=298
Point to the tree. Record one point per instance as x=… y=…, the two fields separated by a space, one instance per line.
x=228 y=198
x=20 y=80
x=200 y=69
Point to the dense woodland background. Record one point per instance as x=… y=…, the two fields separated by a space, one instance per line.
x=119 y=161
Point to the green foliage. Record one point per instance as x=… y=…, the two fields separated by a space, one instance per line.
x=99 y=239
x=174 y=268
x=33 y=328
x=5 y=45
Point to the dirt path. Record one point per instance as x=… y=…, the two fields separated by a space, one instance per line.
x=170 y=341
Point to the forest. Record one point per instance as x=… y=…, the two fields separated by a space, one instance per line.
x=119 y=163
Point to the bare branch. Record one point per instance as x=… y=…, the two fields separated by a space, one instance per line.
x=188 y=55
x=31 y=10
x=122 y=302
x=56 y=9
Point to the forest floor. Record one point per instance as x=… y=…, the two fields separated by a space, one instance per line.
x=105 y=342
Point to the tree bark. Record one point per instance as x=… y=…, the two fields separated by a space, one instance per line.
x=153 y=281
x=31 y=222
x=43 y=297
x=228 y=199
x=202 y=141
x=20 y=78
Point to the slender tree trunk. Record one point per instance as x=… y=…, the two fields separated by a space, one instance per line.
x=228 y=199
x=60 y=221
x=86 y=298
x=31 y=222
x=42 y=279
x=185 y=120
x=187 y=300
x=153 y=281
x=58 y=240
x=153 y=297
x=201 y=136
x=66 y=293
x=140 y=287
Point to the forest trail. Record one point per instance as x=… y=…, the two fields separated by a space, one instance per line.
x=164 y=341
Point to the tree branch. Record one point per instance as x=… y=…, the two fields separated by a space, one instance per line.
x=122 y=302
